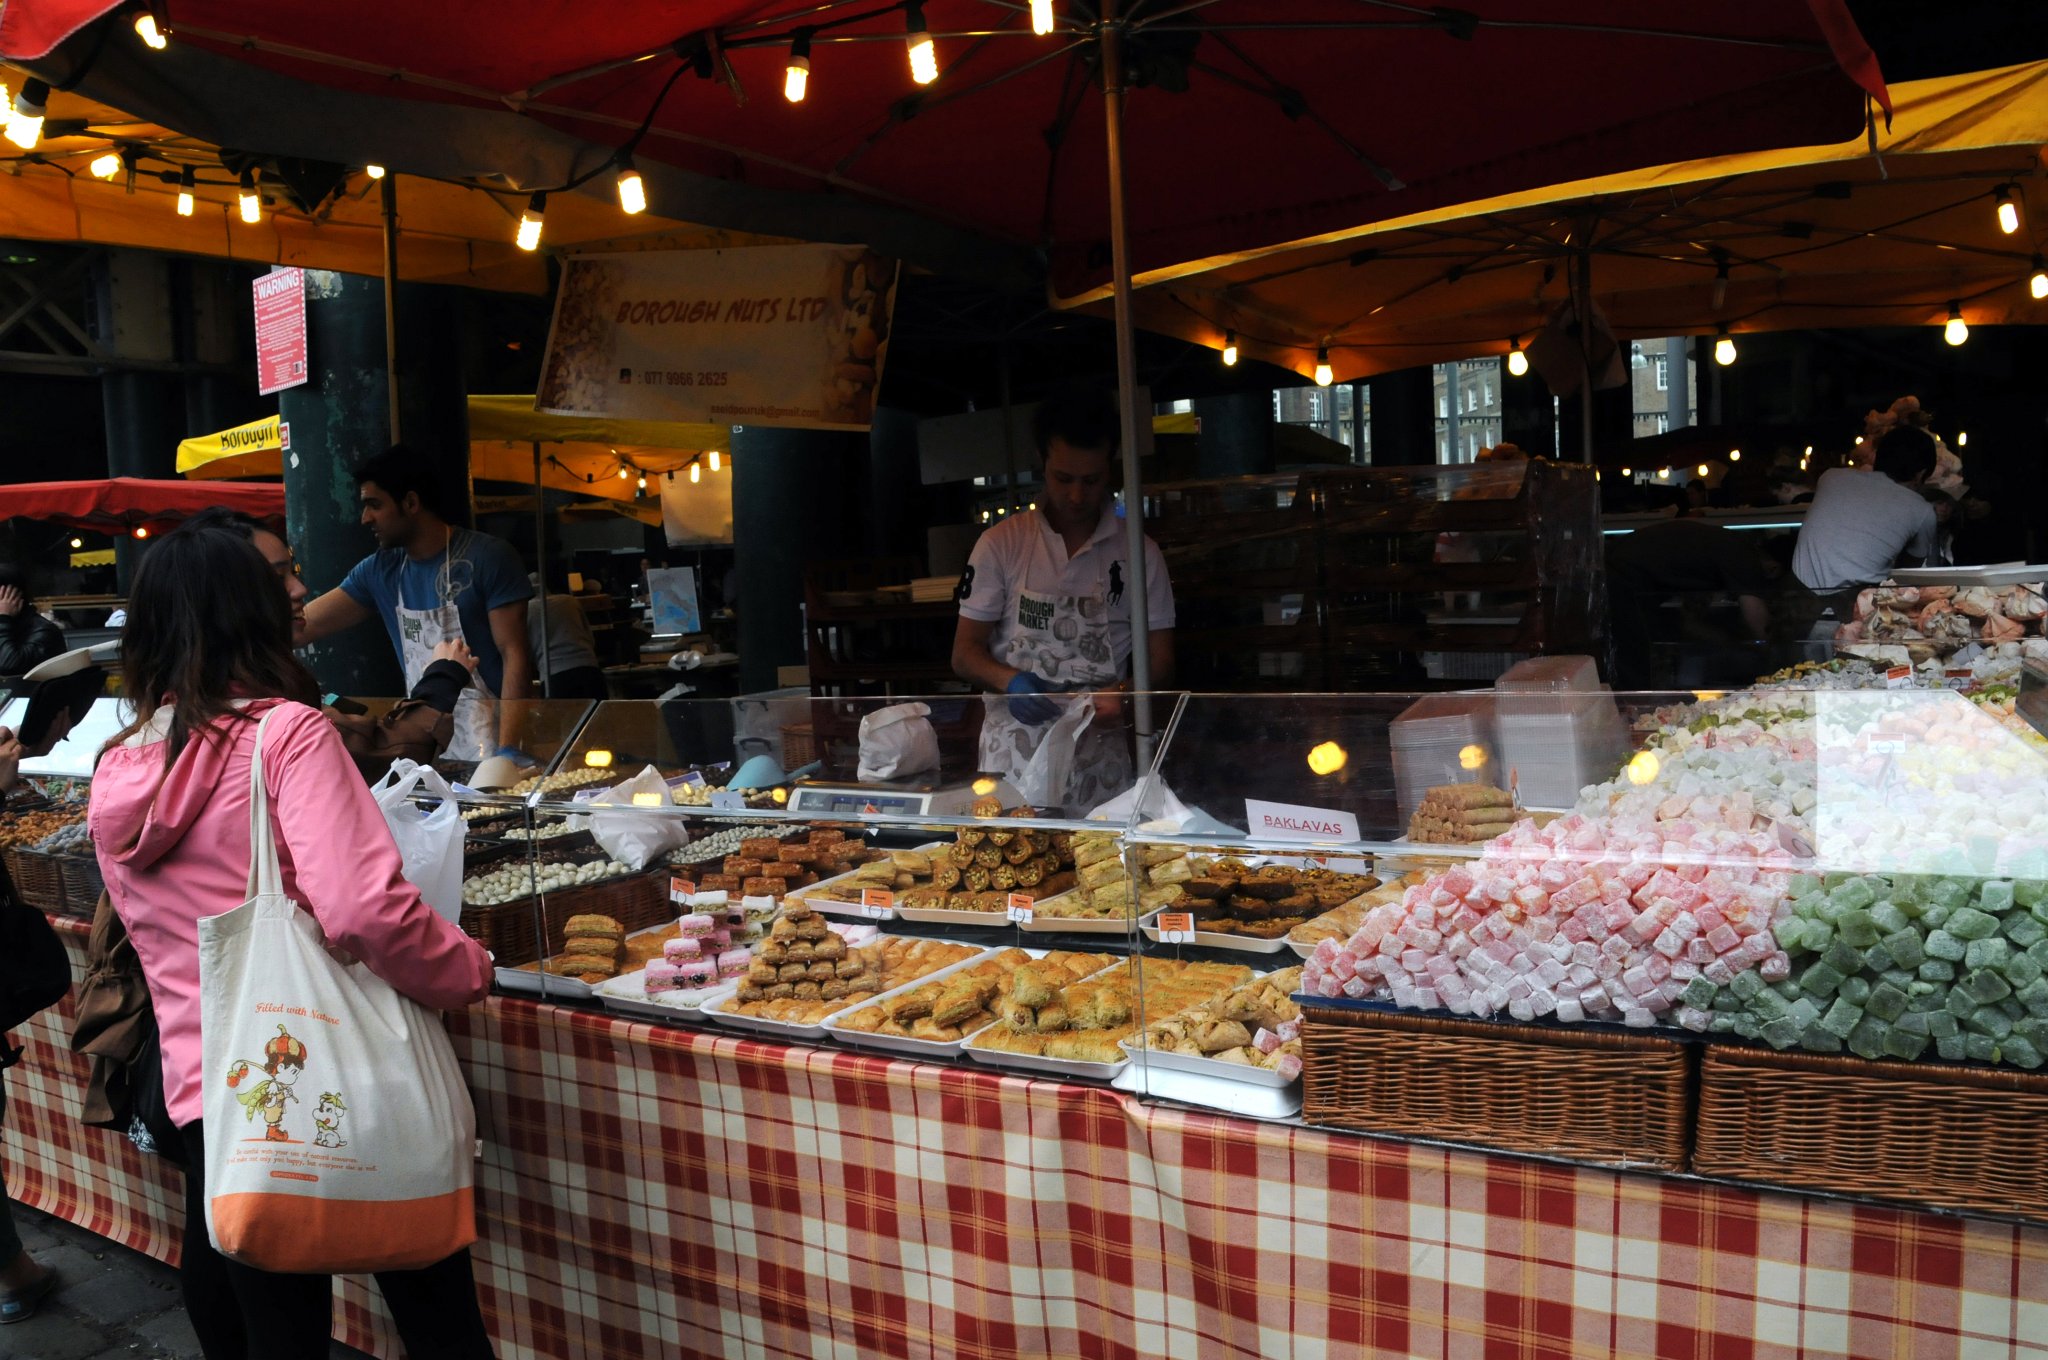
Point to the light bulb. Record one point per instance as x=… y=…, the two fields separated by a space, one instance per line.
x=1518 y=361
x=1724 y=349
x=1703 y=470
x=106 y=165
x=924 y=57
x=1859 y=440
x=623 y=474
x=1735 y=455
x=529 y=224
x=713 y=456
x=1323 y=373
x=250 y=200
x=374 y=171
x=141 y=531
x=796 y=77
x=643 y=481
x=696 y=474
x=2008 y=217
x=152 y=33
x=1664 y=474
x=1628 y=472
x=1962 y=438
x=25 y=119
x=1041 y=17
x=185 y=192
x=2038 y=284
x=1229 y=349
x=78 y=543
x=1957 y=330
x=632 y=189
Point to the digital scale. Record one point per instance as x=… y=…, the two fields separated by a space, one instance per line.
x=929 y=796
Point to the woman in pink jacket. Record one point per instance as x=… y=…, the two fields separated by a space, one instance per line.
x=206 y=651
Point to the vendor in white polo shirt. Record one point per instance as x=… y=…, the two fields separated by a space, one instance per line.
x=1044 y=604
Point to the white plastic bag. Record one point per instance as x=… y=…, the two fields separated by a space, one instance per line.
x=339 y=1134
x=1042 y=783
x=896 y=741
x=430 y=843
x=635 y=823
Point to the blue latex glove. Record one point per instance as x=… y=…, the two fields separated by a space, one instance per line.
x=1026 y=705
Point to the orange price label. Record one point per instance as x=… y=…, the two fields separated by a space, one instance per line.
x=1176 y=927
x=680 y=889
x=1020 y=908
x=877 y=902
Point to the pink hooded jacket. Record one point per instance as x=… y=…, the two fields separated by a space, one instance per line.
x=175 y=847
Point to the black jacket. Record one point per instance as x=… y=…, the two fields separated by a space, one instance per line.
x=27 y=640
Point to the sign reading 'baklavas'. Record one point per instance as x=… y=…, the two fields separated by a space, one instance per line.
x=770 y=335
x=1288 y=822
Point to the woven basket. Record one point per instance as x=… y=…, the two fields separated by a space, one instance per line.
x=1947 y=1136
x=82 y=884
x=1594 y=1097
x=38 y=880
x=799 y=746
x=508 y=930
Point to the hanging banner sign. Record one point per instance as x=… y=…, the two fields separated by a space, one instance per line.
x=280 y=330
x=771 y=335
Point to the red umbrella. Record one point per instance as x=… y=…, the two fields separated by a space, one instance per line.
x=121 y=505
x=1250 y=122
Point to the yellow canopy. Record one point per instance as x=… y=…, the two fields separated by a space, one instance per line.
x=1809 y=237
x=579 y=455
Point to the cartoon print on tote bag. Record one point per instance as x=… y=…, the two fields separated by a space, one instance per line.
x=327 y=1116
x=284 y=1062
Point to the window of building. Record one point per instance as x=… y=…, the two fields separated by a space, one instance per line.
x=1663 y=373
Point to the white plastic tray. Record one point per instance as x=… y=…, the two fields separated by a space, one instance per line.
x=814 y=897
x=627 y=994
x=1052 y=1067
x=533 y=982
x=1206 y=1067
x=1075 y=925
x=1234 y=1097
x=925 y=1048
x=715 y=1008
x=1998 y=574
x=1210 y=939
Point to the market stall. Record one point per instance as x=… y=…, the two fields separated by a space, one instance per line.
x=1730 y=1003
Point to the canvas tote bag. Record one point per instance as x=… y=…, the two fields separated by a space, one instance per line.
x=339 y=1133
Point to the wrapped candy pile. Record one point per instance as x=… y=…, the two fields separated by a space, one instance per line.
x=1580 y=919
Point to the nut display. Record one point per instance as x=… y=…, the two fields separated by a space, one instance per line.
x=30 y=827
x=516 y=881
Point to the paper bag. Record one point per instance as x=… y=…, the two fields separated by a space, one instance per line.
x=635 y=823
x=897 y=741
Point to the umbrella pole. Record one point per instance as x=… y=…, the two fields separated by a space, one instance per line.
x=1585 y=310
x=540 y=558
x=389 y=193
x=1127 y=384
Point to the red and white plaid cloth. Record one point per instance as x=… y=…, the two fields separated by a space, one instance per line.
x=649 y=1192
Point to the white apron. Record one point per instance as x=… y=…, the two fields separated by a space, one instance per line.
x=420 y=631
x=1064 y=640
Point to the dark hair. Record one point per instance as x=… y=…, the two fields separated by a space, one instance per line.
x=219 y=516
x=401 y=471
x=206 y=625
x=1082 y=417
x=1904 y=452
x=16 y=575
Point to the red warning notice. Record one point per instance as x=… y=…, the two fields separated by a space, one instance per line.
x=280 y=330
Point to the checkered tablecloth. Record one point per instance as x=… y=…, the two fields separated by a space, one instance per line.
x=655 y=1192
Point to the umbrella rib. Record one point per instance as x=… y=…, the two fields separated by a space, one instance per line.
x=1072 y=92
x=869 y=142
x=1278 y=93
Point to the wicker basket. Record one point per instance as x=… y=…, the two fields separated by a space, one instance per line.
x=799 y=746
x=38 y=880
x=1594 y=1097
x=82 y=884
x=1935 y=1134
x=508 y=929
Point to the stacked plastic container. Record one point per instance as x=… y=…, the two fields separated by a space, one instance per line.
x=1559 y=729
x=1443 y=739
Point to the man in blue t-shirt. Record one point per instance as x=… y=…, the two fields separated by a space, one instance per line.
x=430 y=582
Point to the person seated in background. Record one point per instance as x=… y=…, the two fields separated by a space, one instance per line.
x=27 y=638
x=1862 y=524
x=567 y=655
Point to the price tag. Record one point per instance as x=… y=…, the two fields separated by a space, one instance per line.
x=1959 y=679
x=726 y=799
x=1898 y=677
x=680 y=889
x=877 y=903
x=1020 y=908
x=1888 y=747
x=1176 y=927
